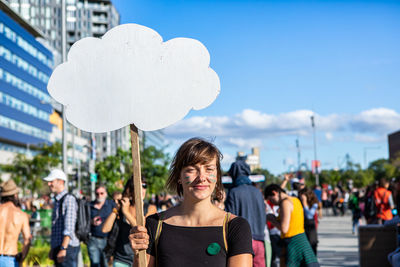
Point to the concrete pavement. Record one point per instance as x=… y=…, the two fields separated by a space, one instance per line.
x=337 y=246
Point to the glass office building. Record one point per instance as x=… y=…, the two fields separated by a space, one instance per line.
x=25 y=67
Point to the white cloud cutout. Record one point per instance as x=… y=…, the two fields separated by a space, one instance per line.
x=131 y=76
x=251 y=127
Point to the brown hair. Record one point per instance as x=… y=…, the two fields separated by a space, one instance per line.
x=383 y=182
x=310 y=195
x=129 y=191
x=192 y=152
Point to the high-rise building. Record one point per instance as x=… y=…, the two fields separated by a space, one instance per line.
x=394 y=145
x=25 y=67
x=84 y=18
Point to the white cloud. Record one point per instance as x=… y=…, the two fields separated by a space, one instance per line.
x=328 y=136
x=132 y=76
x=244 y=143
x=251 y=127
x=381 y=120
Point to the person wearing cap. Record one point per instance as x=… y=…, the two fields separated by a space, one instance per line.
x=64 y=243
x=13 y=221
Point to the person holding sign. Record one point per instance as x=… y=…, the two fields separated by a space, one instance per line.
x=195 y=232
x=154 y=84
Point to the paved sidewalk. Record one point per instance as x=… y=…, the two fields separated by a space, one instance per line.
x=337 y=246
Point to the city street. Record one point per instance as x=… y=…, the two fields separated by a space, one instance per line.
x=337 y=246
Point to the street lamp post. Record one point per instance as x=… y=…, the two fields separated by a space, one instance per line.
x=315 y=152
x=64 y=120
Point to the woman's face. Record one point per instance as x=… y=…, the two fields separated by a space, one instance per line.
x=199 y=181
x=274 y=199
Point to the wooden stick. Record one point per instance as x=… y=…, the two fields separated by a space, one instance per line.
x=137 y=183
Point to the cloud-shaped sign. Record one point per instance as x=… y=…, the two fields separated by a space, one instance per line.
x=131 y=76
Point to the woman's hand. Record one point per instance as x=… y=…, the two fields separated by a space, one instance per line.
x=139 y=238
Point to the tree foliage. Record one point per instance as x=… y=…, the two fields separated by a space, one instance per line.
x=269 y=177
x=155 y=163
x=115 y=170
x=28 y=172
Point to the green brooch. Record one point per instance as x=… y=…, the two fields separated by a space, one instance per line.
x=213 y=249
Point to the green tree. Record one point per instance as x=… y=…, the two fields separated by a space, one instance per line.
x=154 y=164
x=28 y=172
x=115 y=170
x=383 y=168
x=269 y=177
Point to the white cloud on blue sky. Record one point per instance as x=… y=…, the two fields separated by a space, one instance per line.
x=337 y=134
x=252 y=125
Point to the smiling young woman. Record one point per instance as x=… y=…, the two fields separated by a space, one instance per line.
x=195 y=233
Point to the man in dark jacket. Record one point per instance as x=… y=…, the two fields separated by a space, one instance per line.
x=246 y=201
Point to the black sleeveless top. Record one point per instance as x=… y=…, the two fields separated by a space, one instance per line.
x=123 y=251
x=187 y=246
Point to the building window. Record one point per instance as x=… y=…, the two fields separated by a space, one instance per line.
x=23 y=128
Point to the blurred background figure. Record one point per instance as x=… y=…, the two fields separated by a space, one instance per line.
x=310 y=205
x=100 y=209
x=354 y=206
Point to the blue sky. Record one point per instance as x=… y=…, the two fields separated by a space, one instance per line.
x=279 y=61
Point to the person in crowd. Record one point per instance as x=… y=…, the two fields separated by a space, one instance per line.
x=325 y=199
x=166 y=202
x=297 y=250
x=318 y=193
x=274 y=234
x=220 y=203
x=295 y=184
x=117 y=196
x=34 y=221
x=100 y=209
x=247 y=201
x=64 y=244
x=123 y=218
x=310 y=207
x=13 y=222
x=354 y=206
x=207 y=234
x=335 y=200
x=383 y=201
x=148 y=207
x=396 y=192
x=369 y=204
x=345 y=202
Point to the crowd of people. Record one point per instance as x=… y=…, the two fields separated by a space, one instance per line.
x=200 y=224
